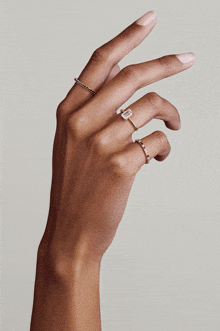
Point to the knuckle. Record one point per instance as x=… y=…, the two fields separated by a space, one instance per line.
x=130 y=73
x=62 y=110
x=162 y=138
x=75 y=126
x=162 y=145
x=100 y=55
x=155 y=100
x=99 y=143
x=121 y=167
x=118 y=165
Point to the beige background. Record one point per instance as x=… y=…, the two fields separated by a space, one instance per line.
x=162 y=272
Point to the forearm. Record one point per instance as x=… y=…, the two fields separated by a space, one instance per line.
x=66 y=300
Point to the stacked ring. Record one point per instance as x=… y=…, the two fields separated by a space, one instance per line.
x=144 y=149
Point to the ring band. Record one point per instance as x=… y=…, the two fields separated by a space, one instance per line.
x=126 y=115
x=86 y=87
x=144 y=149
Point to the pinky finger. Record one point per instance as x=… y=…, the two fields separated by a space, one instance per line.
x=157 y=146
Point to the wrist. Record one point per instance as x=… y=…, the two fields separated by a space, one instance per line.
x=66 y=293
x=64 y=266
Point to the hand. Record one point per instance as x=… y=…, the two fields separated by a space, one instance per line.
x=95 y=159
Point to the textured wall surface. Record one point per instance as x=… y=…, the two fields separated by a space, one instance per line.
x=162 y=272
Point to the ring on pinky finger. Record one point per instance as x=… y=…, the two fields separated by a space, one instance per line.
x=144 y=149
x=129 y=161
x=156 y=145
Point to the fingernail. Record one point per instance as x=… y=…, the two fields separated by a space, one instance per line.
x=185 y=58
x=146 y=18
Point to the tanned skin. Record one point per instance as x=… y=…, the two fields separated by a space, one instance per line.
x=95 y=161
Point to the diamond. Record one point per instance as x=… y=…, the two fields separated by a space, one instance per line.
x=126 y=114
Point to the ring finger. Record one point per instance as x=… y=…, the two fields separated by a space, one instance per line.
x=150 y=106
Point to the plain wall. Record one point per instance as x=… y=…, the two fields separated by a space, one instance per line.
x=162 y=271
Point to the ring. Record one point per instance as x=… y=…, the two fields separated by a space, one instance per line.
x=126 y=115
x=144 y=149
x=86 y=87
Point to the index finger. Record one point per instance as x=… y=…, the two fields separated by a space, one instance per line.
x=106 y=57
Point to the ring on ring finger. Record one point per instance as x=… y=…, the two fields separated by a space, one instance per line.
x=126 y=115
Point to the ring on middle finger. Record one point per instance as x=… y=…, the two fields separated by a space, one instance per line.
x=126 y=115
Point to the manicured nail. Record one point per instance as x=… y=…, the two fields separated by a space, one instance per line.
x=185 y=58
x=146 y=18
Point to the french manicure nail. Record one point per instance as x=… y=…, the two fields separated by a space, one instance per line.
x=185 y=58
x=146 y=18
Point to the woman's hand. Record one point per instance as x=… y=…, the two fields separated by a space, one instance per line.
x=95 y=159
x=94 y=165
